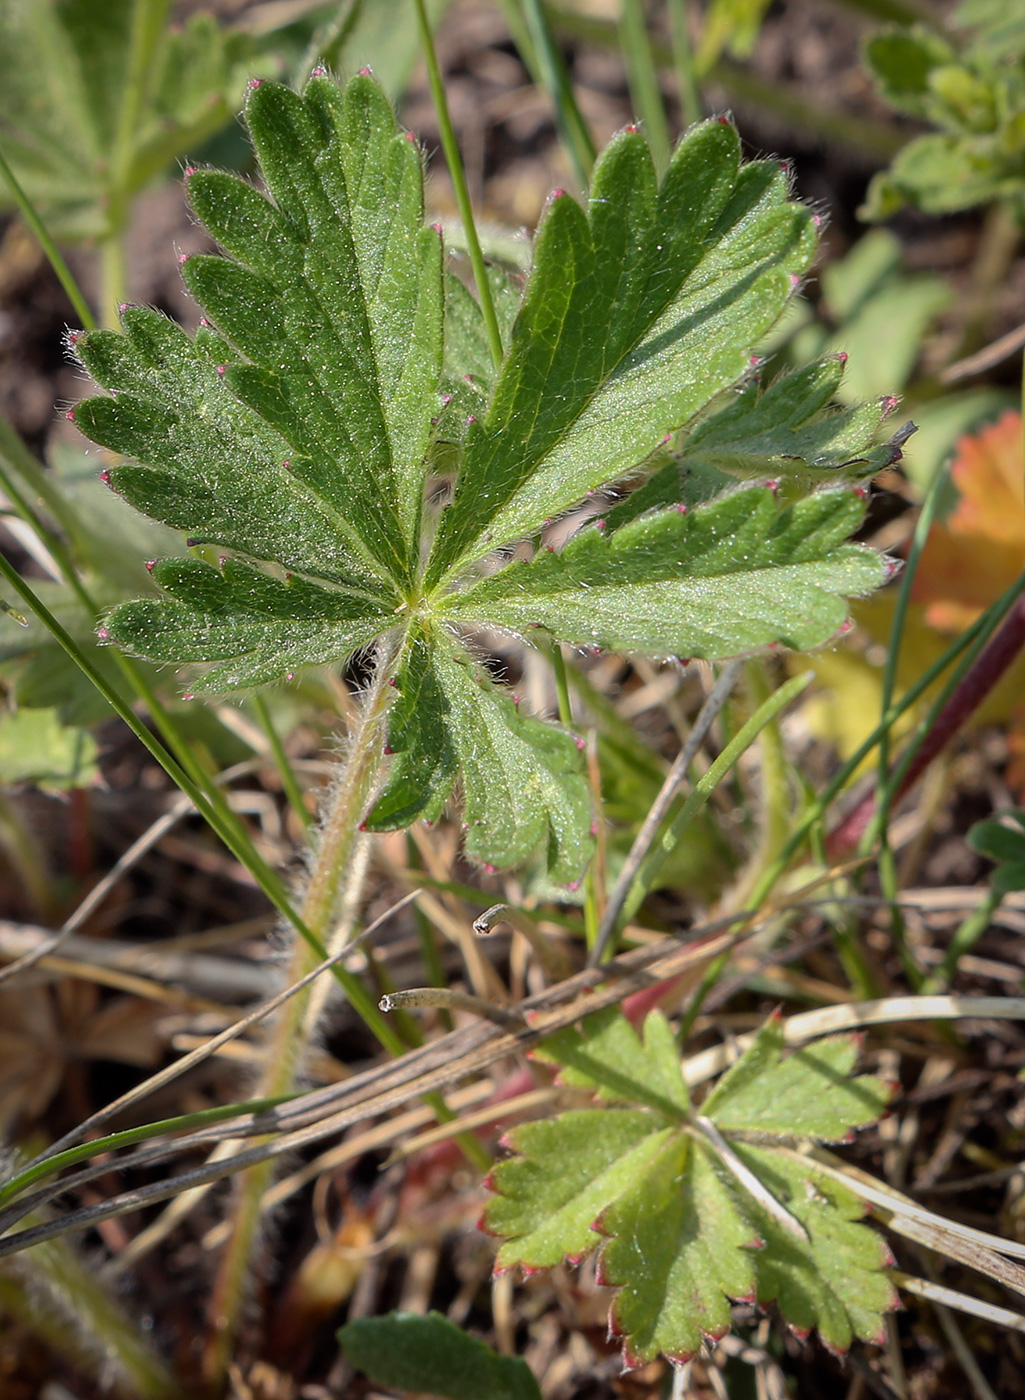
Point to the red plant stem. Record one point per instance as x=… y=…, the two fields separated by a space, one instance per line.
x=977 y=682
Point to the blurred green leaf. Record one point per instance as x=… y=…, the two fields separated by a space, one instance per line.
x=407 y=1351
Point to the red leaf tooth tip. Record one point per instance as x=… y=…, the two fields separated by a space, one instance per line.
x=253 y=84
x=446 y=399
x=471 y=419
x=388 y=750
x=189 y=170
x=551 y=550
x=183 y=258
x=681 y=1358
x=601 y=1278
x=776 y=1014
x=489 y=869
x=73 y=337
x=189 y=696
x=772 y=484
x=557 y=194
x=287 y=463
x=580 y=743
x=723 y=121
x=103 y=634
x=516 y=699
x=680 y=508
x=151 y=564
x=600 y=524
x=575 y=1259
x=438 y=229
x=124 y=306
x=366 y=72
x=846 y=626
x=393 y=681
x=499 y=1270
x=891 y=568
x=801 y=1333
x=843 y=357
x=205 y=322
x=221 y=369
x=632 y=127
x=105 y=478
x=573 y=886
x=795 y=281
x=631 y=1361
x=594 y=828
x=70 y=415
x=817 y=220
x=411 y=138
x=288 y=577
x=362 y=826
x=468 y=378
x=319 y=72
x=289 y=675
x=861 y=491
x=888 y=404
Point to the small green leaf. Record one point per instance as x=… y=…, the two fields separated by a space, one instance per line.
x=64 y=65
x=254 y=625
x=571 y=1169
x=36 y=748
x=835 y=1280
x=791 y=431
x=608 y=1055
x=808 y=1095
x=523 y=780
x=727 y=577
x=678 y=1265
x=1004 y=844
x=407 y=1351
x=685 y=1210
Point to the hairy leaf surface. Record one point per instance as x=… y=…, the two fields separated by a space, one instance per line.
x=723 y=578
x=637 y=312
x=524 y=782
x=342 y=374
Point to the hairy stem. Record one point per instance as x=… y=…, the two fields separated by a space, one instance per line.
x=335 y=884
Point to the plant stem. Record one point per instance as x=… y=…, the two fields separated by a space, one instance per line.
x=336 y=881
x=551 y=77
x=462 y=191
x=683 y=56
x=642 y=76
x=56 y=260
x=149 y=18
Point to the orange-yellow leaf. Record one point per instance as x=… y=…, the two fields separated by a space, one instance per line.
x=979 y=550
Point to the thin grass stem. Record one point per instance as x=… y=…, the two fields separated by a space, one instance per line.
x=551 y=76
x=642 y=76
x=462 y=190
x=53 y=254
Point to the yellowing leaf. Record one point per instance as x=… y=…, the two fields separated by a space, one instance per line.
x=979 y=550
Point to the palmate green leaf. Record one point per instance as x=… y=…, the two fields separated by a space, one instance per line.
x=680 y=1231
x=636 y=314
x=524 y=781
x=299 y=430
x=727 y=577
